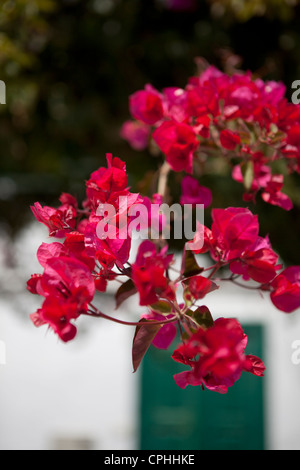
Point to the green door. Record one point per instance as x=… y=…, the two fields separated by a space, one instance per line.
x=193 y=419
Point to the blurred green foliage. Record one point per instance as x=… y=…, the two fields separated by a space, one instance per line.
x=244 y=10
x=70 y=66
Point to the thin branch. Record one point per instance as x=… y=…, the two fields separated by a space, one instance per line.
x=97 y=314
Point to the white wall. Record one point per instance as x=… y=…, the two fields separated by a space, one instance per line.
x=282 y=376
x=86 y=389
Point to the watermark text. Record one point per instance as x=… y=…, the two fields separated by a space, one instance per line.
x=2 y=353
x=296 y=94
x=139 y=221
x=2 y=92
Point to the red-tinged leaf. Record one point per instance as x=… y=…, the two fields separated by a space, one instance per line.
x=124 y=292
x=144 y=335
x=197 y=287
x=202 y=316
x=162 y=307
x=189 y=266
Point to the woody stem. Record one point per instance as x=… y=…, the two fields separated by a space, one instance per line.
x=163 y=179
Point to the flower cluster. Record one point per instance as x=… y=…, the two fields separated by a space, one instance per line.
x=83 y=263
x=235 y=115
x=234 y=240
x=245 y=121
x=216 y=357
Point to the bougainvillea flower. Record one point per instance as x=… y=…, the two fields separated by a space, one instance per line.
x=285 y=293
x=75 y=245
x=178 y=142
x=67 y=286
x=105 y=181
x=149 y=273
x=33 y=282
x=229 y=139
x=146 y=105
x=110 y=250
x=273 y=194
x=202 y=126
x=234 y=239
x=234 y=230
x=136 y=133
x=47 y=251
x=216 y=357
x=260 y=177
x=175 y=104
x=258 y=263
x=58 y=315
x=59 y=221
x=202 y=100
x=271 y=92
x=68 y=279
x=199 y=286
x=244 y=93
x=193 y=193
x=270 y=185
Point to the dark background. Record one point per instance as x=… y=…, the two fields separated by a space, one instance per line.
x=70 y=66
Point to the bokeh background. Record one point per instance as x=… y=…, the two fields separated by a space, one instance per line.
x=69 y=68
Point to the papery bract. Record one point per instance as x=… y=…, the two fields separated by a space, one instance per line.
x=109 y=251
x=216 y=357
x=229 y=139
x=200 y=286
x=136 y=133
x=175 y=104
x=59 y=221
x=58 y=315
x=285 y=293
x=258 y=263
x=146 y=105
x=234 y=230
x=273 y=194
x=178 y=142
x=68 y=278
x=194 y=193
x=234 y=239
x=166 y=335
x=105 y=183
x=149 y=274
x=68 y=287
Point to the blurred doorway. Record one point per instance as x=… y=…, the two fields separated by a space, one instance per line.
x=192 y=419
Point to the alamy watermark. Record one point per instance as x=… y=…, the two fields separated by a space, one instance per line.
x=295 y=357
x=140 y=221
x=2 y=92
x=2 y=353
x=296 y=94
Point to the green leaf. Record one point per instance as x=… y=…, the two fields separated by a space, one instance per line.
x=189 y=266
x=124 y=292
x=162 y=307
x=144 y=335
x=202 y=316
